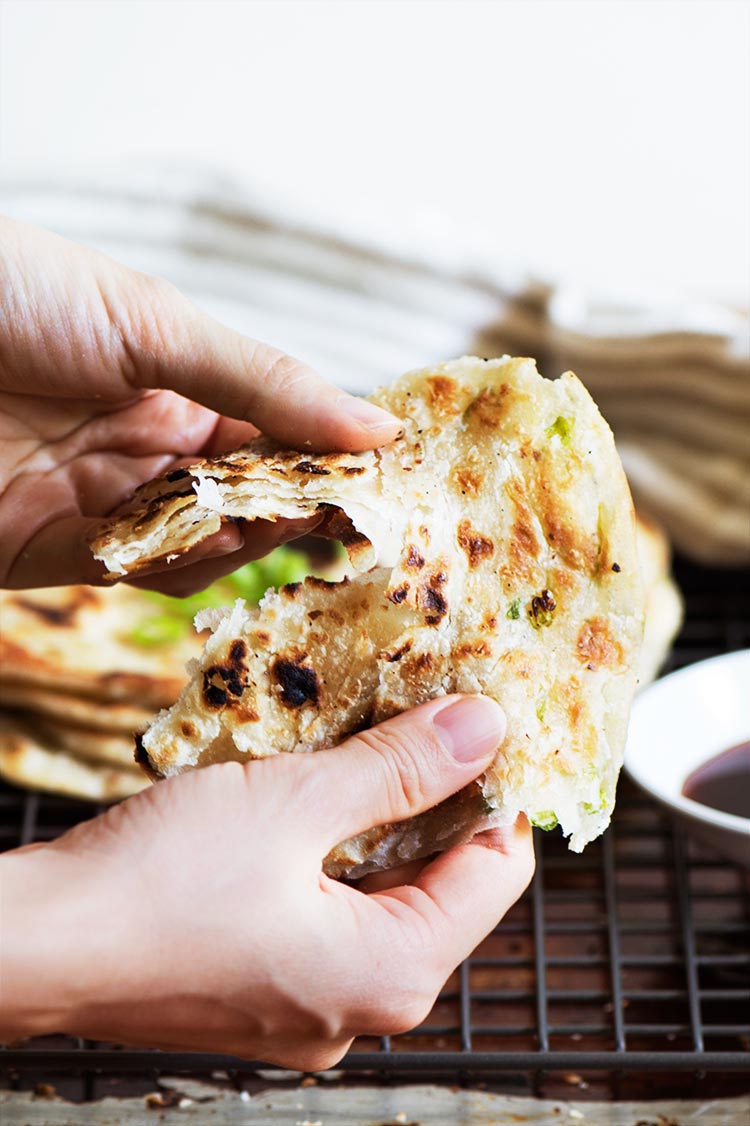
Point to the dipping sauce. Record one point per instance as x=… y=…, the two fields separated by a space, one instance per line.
x=723 y=782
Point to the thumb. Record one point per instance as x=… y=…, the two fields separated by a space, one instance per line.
x=400 y=768
x=173 y=345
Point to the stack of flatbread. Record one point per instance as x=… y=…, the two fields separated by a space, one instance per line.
x=674 y=384
x=664 y=608
x=494 y=550
x=84 y=670
x=79 y=677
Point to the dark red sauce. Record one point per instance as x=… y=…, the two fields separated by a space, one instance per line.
x=723 y=782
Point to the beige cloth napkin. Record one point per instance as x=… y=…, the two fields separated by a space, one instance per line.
x=672 y=377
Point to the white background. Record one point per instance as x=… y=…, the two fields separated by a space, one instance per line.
x=598 y=140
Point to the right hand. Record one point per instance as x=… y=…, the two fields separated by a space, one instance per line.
x=196 y=914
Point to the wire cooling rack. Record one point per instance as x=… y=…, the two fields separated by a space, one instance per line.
x=621 y=972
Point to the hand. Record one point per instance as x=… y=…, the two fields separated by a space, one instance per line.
x=196 y=915
x=107 y=378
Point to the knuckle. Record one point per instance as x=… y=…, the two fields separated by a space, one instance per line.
x=150 y=321
x=404 y=997
x=157 y=290
x=401 y=763
x=318 y=1057
x=156 y=305
x=401 y=1014
x=284 y=373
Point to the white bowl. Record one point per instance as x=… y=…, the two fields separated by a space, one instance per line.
x=679 y=723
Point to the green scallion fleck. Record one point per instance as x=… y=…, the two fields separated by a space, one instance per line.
x=563 y=428
x=545 y=820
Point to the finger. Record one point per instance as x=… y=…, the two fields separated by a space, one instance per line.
x=400 y=768
x=462 y=895
x=172 y=344
x=55 y=555
x=221 y=554
x=58 y=554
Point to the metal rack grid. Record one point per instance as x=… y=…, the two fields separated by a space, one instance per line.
x=622 y=971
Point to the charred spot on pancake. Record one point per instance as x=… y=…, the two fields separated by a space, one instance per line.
x=424 y=532
x=313 y=468
x=291 y=590
x=399 y=594
x=616 y=568
x=424 y=662
x=475 y=546
x=527 y=450
x=469 y=481
x=233 y=465
x=579 y=549
x=177 y=475
x=489 y=406
x=222 y=681
x=472 y=649
x=338 y=526
x=237 y=651
x=186 y=494
x=541 y=609
x=524 y=541
x=243 y=713
x=596 y=646
x=213 y=692
x=413 y=558
x=443 y=392
x=489 y=623
x=397 y=654
x=431 y=600
x=297 y=681
x=320 y=584
x=313 y=615
x=434 y=602
x=188 y=729
x=142 y=759
x=350 y=470
x=262 y=635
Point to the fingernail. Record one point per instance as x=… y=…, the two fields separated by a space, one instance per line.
x=367 y=414
x=470 y=728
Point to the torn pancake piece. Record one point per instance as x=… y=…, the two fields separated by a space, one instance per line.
x=516 y=575
x=169 y=516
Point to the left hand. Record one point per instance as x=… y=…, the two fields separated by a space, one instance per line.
x=107 y=378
